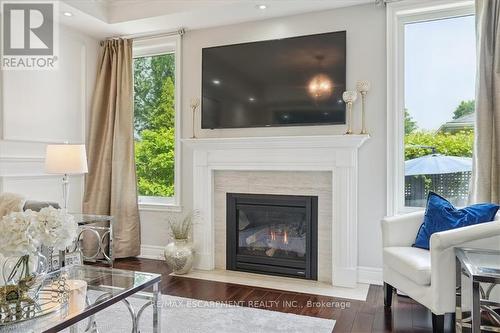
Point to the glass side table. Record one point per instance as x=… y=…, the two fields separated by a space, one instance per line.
x=95 y=238
x=482 y=271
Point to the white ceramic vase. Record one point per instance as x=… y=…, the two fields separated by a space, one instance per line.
x=179 y=256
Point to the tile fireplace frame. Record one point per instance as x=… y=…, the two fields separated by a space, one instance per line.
x=337 y=154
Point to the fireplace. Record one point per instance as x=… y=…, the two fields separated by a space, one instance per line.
x=335 y=154
x=272 y=234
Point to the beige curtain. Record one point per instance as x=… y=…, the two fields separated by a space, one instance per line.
x=485 y=185
x=110 y=186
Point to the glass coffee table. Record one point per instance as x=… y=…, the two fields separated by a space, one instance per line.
x=482 y=271
x=90 y=290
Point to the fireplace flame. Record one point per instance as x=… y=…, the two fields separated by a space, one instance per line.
x=279 y=235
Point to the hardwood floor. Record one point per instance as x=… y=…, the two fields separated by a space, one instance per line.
x=351 y=316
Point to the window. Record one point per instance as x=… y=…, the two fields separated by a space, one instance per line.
x=431 y=116
x=155 y=118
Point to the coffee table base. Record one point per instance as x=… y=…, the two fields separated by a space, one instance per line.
x=153 y=300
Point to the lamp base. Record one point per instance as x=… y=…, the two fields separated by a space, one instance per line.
x=65 y=191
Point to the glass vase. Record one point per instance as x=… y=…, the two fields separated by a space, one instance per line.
x=27 y=271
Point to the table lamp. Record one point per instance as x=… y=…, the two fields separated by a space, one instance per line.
x=66 y=159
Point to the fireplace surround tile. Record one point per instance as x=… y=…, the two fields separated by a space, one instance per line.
x=307 y=183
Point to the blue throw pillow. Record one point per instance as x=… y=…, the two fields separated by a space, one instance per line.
x=440 y=215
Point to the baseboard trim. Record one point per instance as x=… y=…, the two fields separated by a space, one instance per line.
x=344 y=277
x=371 y=275
x=152 y=252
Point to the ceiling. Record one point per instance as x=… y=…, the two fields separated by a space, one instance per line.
x=105 y=18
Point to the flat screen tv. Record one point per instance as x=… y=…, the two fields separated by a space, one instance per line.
x=283 y=82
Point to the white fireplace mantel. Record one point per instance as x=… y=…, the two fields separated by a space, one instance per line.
x=337 y=154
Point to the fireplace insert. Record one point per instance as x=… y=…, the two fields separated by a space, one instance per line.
x=272 y=234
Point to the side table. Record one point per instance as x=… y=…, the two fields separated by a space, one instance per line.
x=98 y=231
x=482 y=271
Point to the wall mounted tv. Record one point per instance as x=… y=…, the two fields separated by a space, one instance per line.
x=283 y=82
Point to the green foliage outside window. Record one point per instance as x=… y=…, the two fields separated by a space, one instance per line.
x=154 y=124
x=465 y=108
x=410 y=124
x=419 y=142
x=457 y=144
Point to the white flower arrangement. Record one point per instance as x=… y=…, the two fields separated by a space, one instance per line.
x=22 y=233
x=18 y=234
x=56 y=228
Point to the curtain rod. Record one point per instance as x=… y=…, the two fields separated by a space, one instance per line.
x=385 y=2
x=179 y=32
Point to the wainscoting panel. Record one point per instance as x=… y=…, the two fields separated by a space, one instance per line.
x=19 y=166
x=50 y=106
x=44 y=188
x=41 y=107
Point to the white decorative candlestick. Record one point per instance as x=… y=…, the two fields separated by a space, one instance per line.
x=195 y=102
x=363 y=87
x=349 y=97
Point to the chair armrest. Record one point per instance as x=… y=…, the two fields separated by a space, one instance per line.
x=482 y=236
x=455 y=237
x=401 y=230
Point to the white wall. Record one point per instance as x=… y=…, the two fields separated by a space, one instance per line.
x=366 y=59
x=40 y=107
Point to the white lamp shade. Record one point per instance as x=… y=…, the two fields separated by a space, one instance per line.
x=66 y=159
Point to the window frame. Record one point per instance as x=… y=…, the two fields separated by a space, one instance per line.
x=155 y=46
x=399 y=14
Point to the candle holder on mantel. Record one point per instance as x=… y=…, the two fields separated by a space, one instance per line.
x=363 y=87
x=349 y=97
x=194 y=103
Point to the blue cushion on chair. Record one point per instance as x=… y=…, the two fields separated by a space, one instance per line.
x=440 y=215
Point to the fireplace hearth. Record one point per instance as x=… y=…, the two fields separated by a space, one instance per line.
x=272 y=234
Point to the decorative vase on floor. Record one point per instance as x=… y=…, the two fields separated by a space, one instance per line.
x=179 y=256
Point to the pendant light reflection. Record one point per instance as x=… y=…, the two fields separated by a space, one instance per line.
x=320 y=87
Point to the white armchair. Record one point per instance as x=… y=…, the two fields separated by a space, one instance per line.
x=428 y=277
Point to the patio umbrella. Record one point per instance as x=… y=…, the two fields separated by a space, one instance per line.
x=434 y=164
